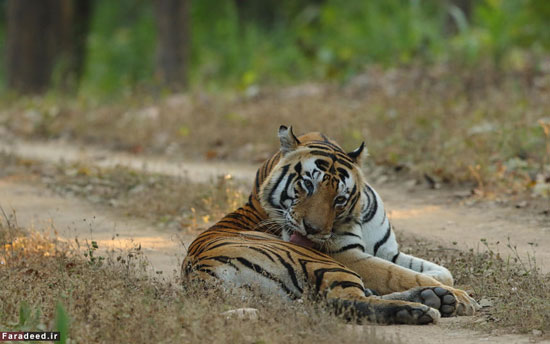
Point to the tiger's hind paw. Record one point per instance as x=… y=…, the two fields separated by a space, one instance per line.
x=385 y=312
x=417 y=315
x=447 y=300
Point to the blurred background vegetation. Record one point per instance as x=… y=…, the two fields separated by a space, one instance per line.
x=452 y=90
x=239 y=43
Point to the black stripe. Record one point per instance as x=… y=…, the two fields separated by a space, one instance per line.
x=328 y=144
x=346 y=284
x=327 y=147
x=257 y=180
x=289 y=256
x=228 y=222
x=383 y=240
x=205 y=268
x=264 y=170
x=372 y=204
x=267 y=274
x=350 y=234
x=298 y=168
x=251 y=203
x=284 y=194
x=322 y=164
x=239 y=216
x=291 y=272
x=395 y=257
x=350 y=247
x=262 y=252
x=354 y=200
x=224 y=243
x=322 y=153
x=225 y=260
x=343 y=172
x=283 y=174
x=320 y=274
x=303 y=264
x=255 y=214
x=421 y=266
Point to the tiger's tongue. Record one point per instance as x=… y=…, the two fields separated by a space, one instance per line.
x=299 y=239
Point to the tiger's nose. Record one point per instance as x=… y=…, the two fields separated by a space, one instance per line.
x=310 y=229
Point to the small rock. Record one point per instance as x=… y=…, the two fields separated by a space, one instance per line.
x=537 y=333
x=462 y=194
x=242 y=313
x=521 y=204
x=485 y=303
x=410 y=183
x=382 y=179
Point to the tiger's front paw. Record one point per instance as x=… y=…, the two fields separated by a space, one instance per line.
x=449 y=301
x=444 y=276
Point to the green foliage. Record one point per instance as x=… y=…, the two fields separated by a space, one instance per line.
x=2 y=43
x=61 y=322
x=281 y=42
x=121 y=46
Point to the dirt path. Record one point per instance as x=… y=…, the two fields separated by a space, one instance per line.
x=40 y=209
x=435 y=215
x=430 y=214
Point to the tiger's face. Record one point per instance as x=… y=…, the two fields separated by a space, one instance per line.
x=313 y=189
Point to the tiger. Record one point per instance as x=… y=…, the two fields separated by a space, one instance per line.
x=312 y=225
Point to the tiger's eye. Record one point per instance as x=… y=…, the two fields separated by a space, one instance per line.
x=309 y=185
x=340 y=200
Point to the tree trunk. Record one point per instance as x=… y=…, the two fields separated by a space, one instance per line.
x=72 y=32
x=41 y=33
x=172 y=18
x=457 y=11
x=30 y=47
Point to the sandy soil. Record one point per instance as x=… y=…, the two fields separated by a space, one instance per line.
x=432 y=214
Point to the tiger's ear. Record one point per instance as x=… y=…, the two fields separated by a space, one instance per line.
x=289 y=141
x=357 y=154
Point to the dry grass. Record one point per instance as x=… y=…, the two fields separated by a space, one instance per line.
x=516 y=293
x=166 y=200
x=118 y=302
x=473 y=126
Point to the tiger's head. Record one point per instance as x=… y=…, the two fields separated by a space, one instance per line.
x=314 y=187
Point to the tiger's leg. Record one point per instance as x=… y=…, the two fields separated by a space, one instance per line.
x=288 y=269
x=386 y=278
x=379 y=240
